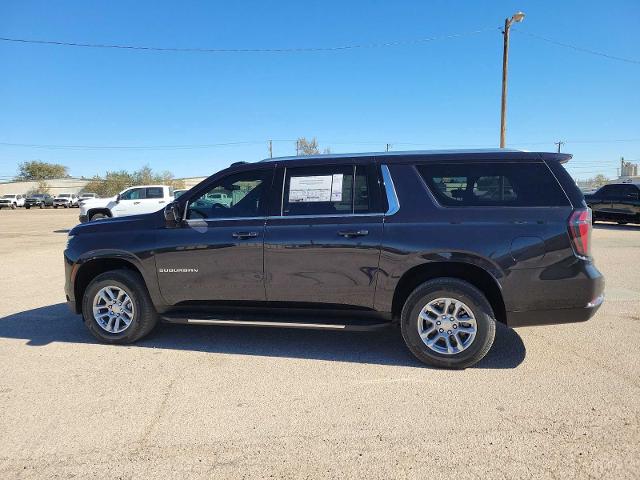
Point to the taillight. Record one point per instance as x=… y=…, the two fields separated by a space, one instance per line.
x=580 y=231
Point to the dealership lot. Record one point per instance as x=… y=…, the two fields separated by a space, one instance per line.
x=558 y=401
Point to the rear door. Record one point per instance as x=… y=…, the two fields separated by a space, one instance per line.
x=322 y=244
x=627 y=203
x=154 y=200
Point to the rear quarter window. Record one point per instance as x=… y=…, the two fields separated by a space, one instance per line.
x=493 y=184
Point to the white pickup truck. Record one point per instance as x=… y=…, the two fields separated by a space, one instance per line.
x=132 y=201
x=12 y=200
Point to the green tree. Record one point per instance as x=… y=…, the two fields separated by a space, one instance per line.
x=309 y=147
x=37 y=170
x=114 y=182
x=599 y=180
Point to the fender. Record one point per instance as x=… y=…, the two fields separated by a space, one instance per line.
x=146 y=268
x=394 y=264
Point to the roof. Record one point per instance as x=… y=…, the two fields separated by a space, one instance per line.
x=487 y=153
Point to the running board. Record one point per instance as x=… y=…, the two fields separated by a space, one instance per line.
x=353 y=327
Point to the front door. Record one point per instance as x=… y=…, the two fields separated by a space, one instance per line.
x=324 y=245
x=217 y=253
x=131 y=202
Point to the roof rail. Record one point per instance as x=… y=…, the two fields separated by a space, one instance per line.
x=235 y=164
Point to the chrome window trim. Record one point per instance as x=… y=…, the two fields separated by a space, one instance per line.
x=390 y=189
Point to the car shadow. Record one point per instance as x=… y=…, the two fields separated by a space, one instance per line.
x=55 y=323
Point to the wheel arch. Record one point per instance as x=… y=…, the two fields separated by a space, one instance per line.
x=91 y=268
x=475 y=275
x=93 y=211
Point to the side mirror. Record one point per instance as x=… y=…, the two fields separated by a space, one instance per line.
x=118 y=199
x=172 y=214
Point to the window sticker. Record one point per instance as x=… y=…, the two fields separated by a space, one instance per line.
x=316 y=188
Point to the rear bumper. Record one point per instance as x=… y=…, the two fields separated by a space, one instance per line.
x=555 y=316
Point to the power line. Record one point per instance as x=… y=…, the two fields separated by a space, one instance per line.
x=329 y=142
x=396 y=43
x=579 y=49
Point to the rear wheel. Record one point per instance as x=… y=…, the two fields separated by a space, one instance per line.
x=97 y=216
x=448 y=323
x=117 y=309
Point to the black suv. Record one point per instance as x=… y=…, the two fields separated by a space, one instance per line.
x=40 y=200
x=616 y=203
x=443 y=243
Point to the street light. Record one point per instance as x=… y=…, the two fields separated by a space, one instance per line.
x=516 y=18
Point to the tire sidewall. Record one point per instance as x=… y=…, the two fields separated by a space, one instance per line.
x=131 y=333
x=463 y=292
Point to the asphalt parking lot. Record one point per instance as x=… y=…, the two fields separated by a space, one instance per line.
x=212 y=402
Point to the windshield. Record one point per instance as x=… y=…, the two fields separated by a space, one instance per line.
x=37 y=195
x=64 y=195
x=177 y=193
x=8 y=196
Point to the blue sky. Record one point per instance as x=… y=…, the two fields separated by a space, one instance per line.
x=443 y=93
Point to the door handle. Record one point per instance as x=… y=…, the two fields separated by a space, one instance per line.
x=352 y=233
x=136 y=203
x=244 y=235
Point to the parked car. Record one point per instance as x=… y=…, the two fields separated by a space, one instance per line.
x=177 y=193
x=132 y=201
x=40 y=200
x=12 y=201
x=616 y=202
x=87 y=196
x=442 y=244
x=66 y=200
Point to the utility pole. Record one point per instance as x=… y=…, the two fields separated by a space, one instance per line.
x=270 y=148
x=389 y=146
x=517 y=17
x=559 y=143
x=297 y=147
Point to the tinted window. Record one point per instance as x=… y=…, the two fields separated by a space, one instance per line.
x=493 y=184
x=133 y=194
x=330 y=190
x=631 y=191
x=154 y=192
x=239 y=195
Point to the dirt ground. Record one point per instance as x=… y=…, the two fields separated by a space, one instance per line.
x=213 y=402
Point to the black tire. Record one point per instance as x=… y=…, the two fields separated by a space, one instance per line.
x=13 y=206
x=55 y=206
x=622 y=223
x=458 y=290
x=41 y=205
x=66 y=206
x=145 y=316
x=27 y=207
x=98 y=216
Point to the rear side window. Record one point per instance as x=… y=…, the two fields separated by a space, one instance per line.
x=326 y=190
x=493 y=184
x=155 y=192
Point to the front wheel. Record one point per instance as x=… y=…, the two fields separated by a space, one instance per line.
x=13 y=206
x=98 y=216
x=117 y=309
x=27 y=207
x=447 y=322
